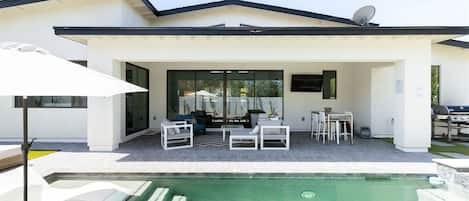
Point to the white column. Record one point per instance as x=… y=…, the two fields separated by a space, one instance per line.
x=104 y=114
x=412 y=123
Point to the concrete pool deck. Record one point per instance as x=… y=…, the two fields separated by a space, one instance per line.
x=210 y=155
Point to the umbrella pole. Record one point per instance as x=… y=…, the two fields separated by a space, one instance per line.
x=25 y=148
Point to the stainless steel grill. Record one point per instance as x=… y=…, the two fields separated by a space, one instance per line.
x=455 y=119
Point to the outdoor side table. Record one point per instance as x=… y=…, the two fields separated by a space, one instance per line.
x=242 y=137
x=228 y=127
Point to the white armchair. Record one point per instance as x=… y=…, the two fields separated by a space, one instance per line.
x=176 y=135
x=278 y=134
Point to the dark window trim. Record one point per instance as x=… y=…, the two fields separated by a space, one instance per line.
x=148 y=101
x=336 y=83
x=195 y=84
x=84 y=63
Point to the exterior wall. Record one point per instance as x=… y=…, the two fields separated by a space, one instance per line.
x=411 y=58
x=454 y=71
x=33 y=23
x=235 y=15
x=382 y=110
x=297 y=105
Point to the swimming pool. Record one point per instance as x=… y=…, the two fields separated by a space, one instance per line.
x=282 y=187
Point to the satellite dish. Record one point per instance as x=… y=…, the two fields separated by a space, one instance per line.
x=364 y=15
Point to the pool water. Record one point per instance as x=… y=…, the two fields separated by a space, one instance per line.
x=288 y=188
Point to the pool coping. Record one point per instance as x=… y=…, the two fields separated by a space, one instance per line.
x=132 y=176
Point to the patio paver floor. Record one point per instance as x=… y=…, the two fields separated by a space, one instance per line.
x=145 y=155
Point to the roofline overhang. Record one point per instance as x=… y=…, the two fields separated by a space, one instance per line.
x=12 y=3
x=264 y=31
x=157 y=13
x=150 y=6
x=261 y=6
x=456 y=43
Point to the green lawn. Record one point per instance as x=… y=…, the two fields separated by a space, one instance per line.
x=39 y=153
x=439 y=150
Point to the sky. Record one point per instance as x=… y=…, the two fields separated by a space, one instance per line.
x=389 y=12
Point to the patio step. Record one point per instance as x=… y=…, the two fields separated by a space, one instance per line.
x=179 y=198
x=116 y=195
x=160 y=194
x=151 y=192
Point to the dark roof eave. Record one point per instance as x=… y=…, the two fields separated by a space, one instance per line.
x=150 y=6
x=259 y=6
x=259 y=31
x=456 y=43
x=156 y=12
x=12 y=3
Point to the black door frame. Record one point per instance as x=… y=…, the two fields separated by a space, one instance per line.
x=127 y=133
x=225 y=85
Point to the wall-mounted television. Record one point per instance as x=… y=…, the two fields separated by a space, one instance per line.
x=306 y=83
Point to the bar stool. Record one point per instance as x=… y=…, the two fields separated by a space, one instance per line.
x=314 y=124
x=322 y=128
x=345 y=121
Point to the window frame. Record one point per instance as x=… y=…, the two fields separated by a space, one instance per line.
x=127 y=132
x=169 y=70
x=18 y=100
x=335 y=87
x=438 y=66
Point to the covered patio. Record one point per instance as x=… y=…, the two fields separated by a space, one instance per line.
x=143 y=155
x=383 y=74
x=210 y=148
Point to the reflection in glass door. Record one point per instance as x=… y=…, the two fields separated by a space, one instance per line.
x=210 y=93
x=226 y=96
x=136 y=104
x=239 y=96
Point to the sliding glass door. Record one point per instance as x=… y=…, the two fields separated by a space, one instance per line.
x=209 y=94
x=180 y=93
x=239 y=96
x=225 y=95
x=269 y=93
x=137 y=104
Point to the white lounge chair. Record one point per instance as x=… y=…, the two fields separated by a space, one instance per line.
x=176 y=135
x=11 y=183
x=273 y=130
x=10 y=156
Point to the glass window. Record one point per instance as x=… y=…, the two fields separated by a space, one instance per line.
x=225 y=95
x=269 y=92
x=329 y=84
x=239 y=96
x=137 y=104
x=55 y=101
x=181 y=93
x=435 y=85
x=209 y=94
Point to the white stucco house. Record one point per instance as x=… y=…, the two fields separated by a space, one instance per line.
x=229 y=49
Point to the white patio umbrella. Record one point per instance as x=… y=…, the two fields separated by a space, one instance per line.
x=30 y=71
x=203 y=93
